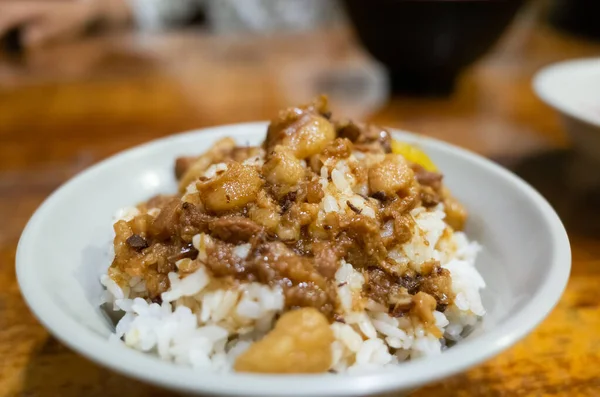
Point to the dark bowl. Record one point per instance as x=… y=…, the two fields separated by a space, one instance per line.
x=578 y=17
x=425 y=44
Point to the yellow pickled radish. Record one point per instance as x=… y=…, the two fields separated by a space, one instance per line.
x=413 y=154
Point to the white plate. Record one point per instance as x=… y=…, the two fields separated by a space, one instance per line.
x=64 y=249
x=572 y=88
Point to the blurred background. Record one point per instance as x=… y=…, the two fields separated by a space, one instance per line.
x=83 y=79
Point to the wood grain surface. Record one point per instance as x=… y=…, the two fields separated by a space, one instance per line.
x=65 y=108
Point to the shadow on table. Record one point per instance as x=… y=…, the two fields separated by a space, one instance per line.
x=55 y=370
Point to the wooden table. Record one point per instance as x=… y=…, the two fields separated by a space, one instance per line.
x=65 y=108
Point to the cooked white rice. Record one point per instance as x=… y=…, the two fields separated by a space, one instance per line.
x=204 y=326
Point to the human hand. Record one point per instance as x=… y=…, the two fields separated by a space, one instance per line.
x=43 y=21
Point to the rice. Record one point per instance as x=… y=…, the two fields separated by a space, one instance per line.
x=365 y=332
x=343 y=190
x=126 y=213
x=211 y=338
x=205 y=324
x=229 y=320
x=214 y=170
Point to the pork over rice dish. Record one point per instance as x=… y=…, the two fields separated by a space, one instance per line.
x=330 y=247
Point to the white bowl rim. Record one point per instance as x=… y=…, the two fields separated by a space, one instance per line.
x=406 y=376
x=542 y=82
